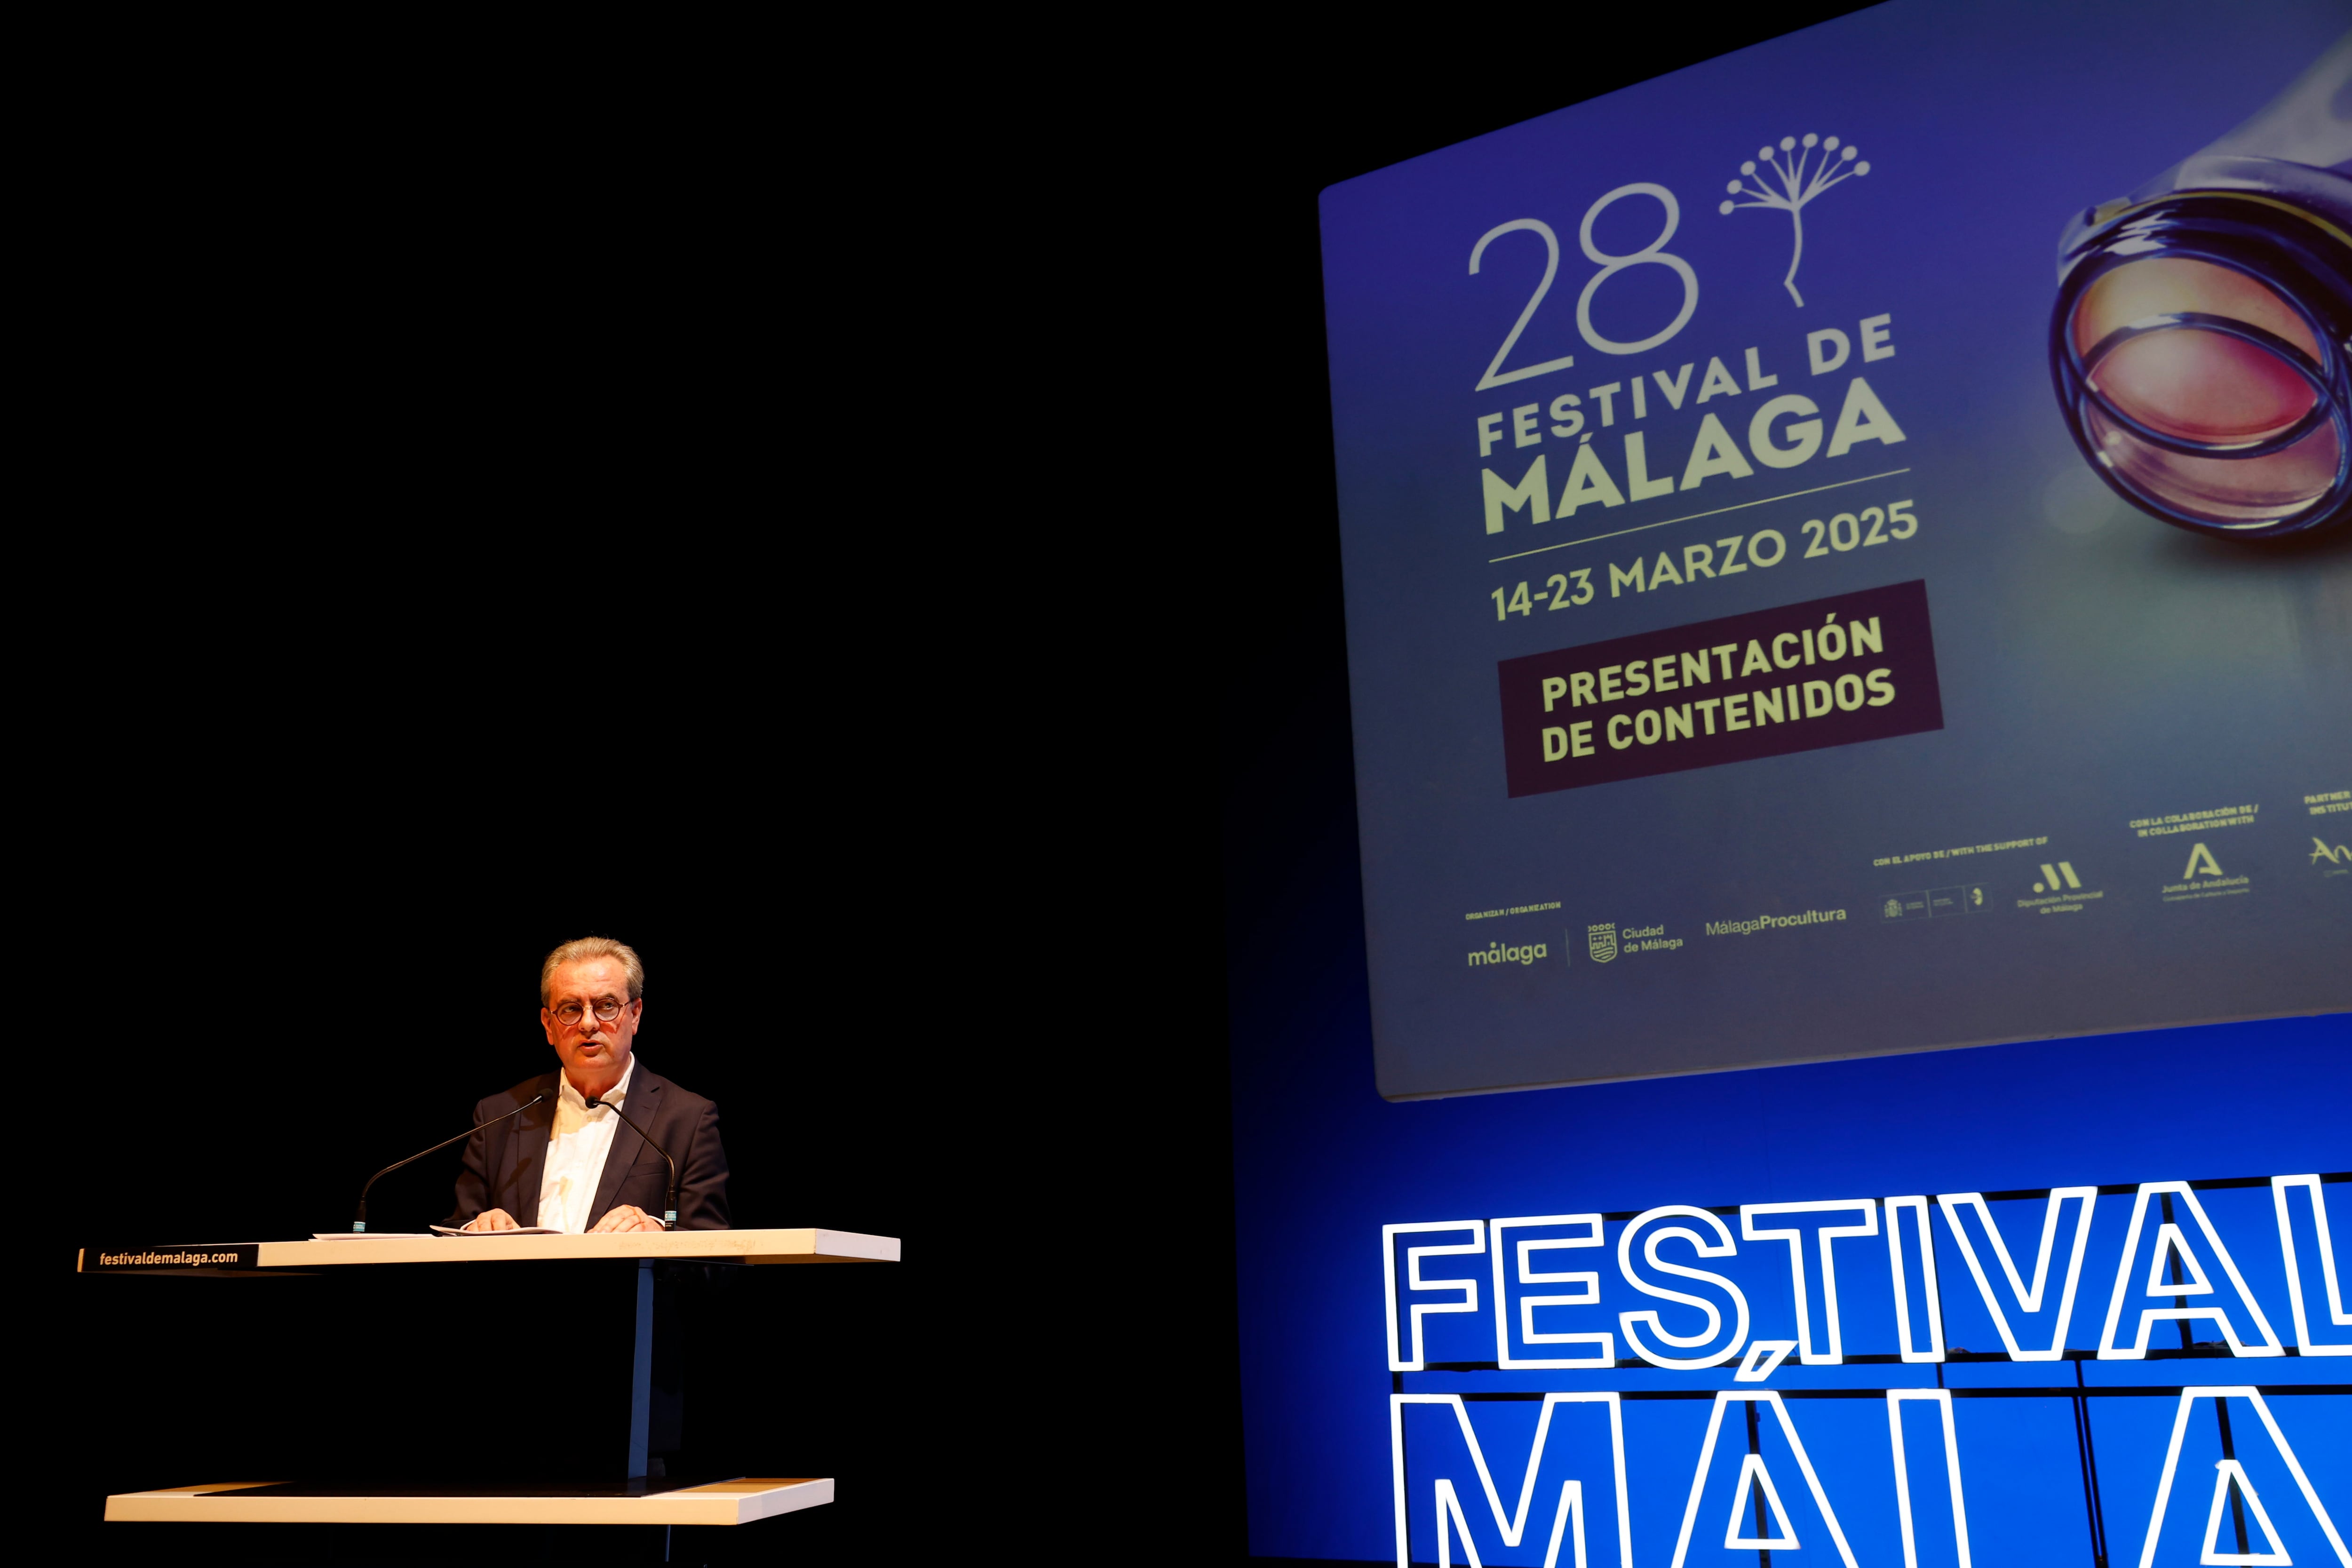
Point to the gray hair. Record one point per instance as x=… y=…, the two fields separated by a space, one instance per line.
x=588 y=948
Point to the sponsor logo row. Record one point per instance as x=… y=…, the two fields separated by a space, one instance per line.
x=2056 y=888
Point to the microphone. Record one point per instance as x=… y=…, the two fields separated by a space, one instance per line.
x=669 y=1220
x=359 y=1221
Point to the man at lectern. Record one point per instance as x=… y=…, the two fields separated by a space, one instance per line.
x=569 y=1162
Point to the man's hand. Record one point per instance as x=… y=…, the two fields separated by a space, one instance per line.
x=623 y=1217
x=492 y=1220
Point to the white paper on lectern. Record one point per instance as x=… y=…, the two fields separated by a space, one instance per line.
x=366 y=1234
x=518 y=1230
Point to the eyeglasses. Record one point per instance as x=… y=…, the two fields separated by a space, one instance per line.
x=606 y=1010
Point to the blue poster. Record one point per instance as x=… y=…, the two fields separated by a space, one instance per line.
x=1845 y=548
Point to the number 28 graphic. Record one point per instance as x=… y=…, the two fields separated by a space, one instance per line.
x=1653 y=254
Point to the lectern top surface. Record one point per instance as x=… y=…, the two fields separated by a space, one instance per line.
x=742 y=1500
x=805 y=1246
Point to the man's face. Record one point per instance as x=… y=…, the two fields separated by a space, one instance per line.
x=592 y=1047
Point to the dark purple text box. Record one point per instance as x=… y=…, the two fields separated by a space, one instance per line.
x=1828 y=672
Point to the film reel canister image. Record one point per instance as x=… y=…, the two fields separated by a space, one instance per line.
x=2202 y=340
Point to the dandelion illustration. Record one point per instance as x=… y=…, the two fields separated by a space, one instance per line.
x=1801 y=180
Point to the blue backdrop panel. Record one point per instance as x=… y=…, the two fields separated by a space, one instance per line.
x=1324 y=1164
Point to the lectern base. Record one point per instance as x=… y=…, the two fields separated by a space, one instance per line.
x=738 y=1501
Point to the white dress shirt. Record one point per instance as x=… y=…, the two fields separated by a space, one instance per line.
x=576 y=1147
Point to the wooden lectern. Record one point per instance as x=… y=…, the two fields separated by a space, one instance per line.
x=632 y=1491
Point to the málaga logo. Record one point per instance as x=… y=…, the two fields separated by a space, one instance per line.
x=1602 y=941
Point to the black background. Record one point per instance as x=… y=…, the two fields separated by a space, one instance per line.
x=855 y=526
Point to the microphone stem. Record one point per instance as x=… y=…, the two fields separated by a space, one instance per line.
x=669 y=1220
x=359 y=1221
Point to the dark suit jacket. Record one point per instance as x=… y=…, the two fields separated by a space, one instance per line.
x=504 y=1162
